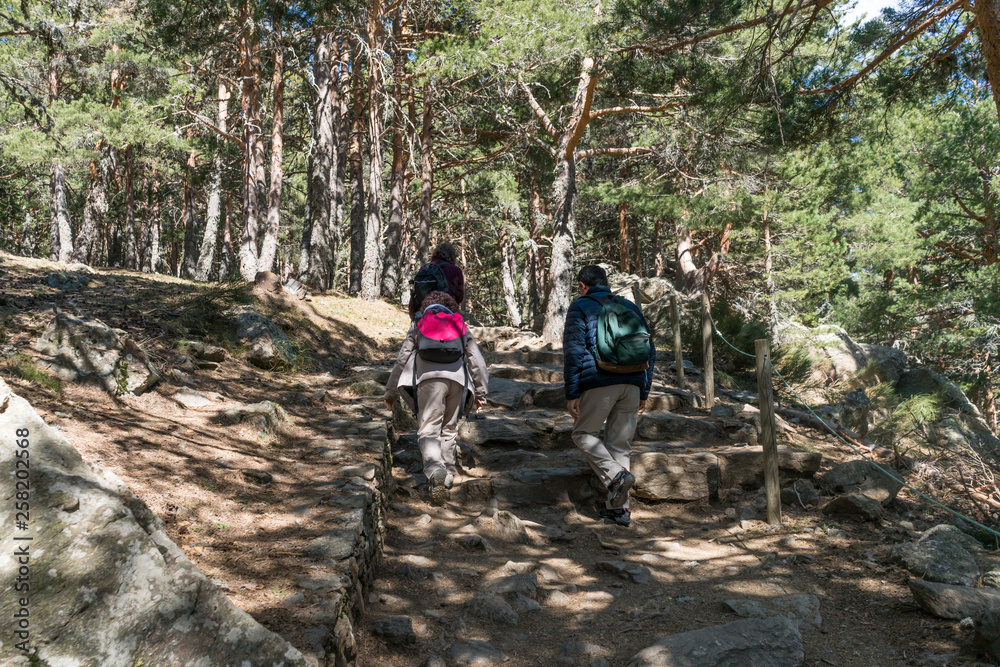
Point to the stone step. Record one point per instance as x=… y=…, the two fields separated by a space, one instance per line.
x=524 y=357
x=531 y=429
x=536 y=373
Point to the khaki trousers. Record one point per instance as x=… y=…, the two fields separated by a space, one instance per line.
x=615 y=409
x=439 y=401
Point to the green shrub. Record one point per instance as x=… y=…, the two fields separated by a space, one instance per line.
x=25 y=368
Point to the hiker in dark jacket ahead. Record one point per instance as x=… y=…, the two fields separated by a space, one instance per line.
x=444 y=255
x=599 y=399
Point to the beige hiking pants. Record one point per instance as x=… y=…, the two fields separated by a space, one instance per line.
x=439 y=401
x=615 y=409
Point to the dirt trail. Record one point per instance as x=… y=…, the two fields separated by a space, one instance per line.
x=439 y=560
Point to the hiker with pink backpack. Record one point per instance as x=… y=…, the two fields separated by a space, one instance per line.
x=440 y=374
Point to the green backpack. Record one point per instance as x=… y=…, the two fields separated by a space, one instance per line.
x=623 y=340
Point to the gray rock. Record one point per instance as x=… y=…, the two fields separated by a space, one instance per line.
x=663 y=475
x=579 y=653
x=269 y=347
x=120 y=592
x=507 y=393
x=475 y=653
x=267 y=416
x=435 y=661
x=67 y=281
x=83 y=349
x=854 y=504
x=639 y=574
x=743 y=467
x=539 y=374
x=493 y=609
x=337 y=544
x=543 y=397
x=835 y=356
x=954 y=602
x=801 y=493
x=860 y=476
x=947 y=533
x=257 y=476
x=723 y=410
x=324 y=582
x=509 y=527
x=526 y=604
x=668 y=427
x=203 y=352
x=498 y=430
x=804 y=609
x=768 y=642
x=855 y=411
x=992 y=578
x=891 y=361
x=190 y=398
x=395 y=630
x=523 y=584
x=944 y=562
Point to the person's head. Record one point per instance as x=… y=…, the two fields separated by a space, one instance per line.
x=445 y=252
x=438 y=298
x=591 y=276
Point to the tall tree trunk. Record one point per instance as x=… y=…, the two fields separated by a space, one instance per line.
x=131 y=249
x=690 y=279
x=623 y=238
x=772 y=304
x=210 y=241
x=94 y=211
x=534 y=260
x=62 y=230
x=227 y=260
x=426 y=173
x=357 y=173
x=988 y=23
x=563 y=239
x=154 y=225
x=28 y=239
x=270 y=246
x=317 y=256
x=371 y=270
x=253 y=159
x=658 y=247
x=508 y=271
x=342 y=128
x=190 y=216
x=391 y=269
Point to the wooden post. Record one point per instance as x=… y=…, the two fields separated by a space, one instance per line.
x=706 y=346
x=767 y=431
x=675 y=323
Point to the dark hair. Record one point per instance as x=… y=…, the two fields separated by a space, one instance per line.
x=445 y=252
x=439 y=298
x=592 y=275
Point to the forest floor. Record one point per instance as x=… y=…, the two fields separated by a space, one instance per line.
x=185 y=464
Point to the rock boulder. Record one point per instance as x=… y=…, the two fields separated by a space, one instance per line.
x=766 y=642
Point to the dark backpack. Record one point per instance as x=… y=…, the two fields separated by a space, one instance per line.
x=430 y=278
x=623 y=340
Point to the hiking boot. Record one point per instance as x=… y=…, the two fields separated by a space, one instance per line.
x=449 y=480
x=621 y=516
x=618 y=490
x=439 y=493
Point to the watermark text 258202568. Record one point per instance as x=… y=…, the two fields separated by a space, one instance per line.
x=22 y=540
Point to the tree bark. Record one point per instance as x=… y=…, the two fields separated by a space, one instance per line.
x=988 y=23
x=62 y=230
x=623 y=238
x=772 y=304
x=94 y=211
x=356 y=160
x=227 y=260
x=317 y=260
x=253 y=158
x=426 y=173
x=563 y=239
x=342 y=128
x=210 y=241
x=690 y=279
x=269 y=248
x=391 y=269
x=131 y=249
x=534 y=259
x=28 y=239
x=190 y=215
x=658 y=247
x=371 y=270
x=153 y=257
x=508 y=271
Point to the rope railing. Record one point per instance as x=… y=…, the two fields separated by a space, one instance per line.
x=883 y=470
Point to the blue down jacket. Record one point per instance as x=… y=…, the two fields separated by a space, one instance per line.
x=580 y=370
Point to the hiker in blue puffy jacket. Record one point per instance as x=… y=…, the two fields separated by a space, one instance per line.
x=599 y=399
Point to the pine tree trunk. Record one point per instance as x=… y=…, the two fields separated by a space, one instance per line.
x=772 y=304
x=253 y=159
x=623 y=239
x=190 y=216
x=658 y=247
x=94 y=211
x=28 y=240
x=62 y=230
x=270 y=246
x=988 y=23
x=391 y=269
x=154 y=226
x=317 y=256
x=342 y=128
x=508 y=271
x=534 y=263
x=563 y=238
x=426 y=173
x=131 y=249
x=227 y=260
x=371 y=270
x=357 y=174
x=210 y=241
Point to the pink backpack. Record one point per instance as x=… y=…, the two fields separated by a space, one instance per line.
x=441 y=335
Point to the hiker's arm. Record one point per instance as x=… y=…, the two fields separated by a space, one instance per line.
x=477 y=367
x=574 y=344
x=392 y=386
